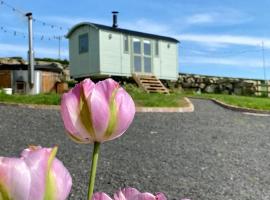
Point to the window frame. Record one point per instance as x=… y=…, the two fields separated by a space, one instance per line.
x=156 y=48
x=81 y=43
x=126 y=42
x=142 y=54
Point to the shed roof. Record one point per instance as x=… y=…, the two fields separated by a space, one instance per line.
x=120 y=30
x=49 y=68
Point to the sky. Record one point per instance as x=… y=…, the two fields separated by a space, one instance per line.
x=221 y=38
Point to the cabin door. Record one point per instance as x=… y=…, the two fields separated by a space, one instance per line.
x=142 y=56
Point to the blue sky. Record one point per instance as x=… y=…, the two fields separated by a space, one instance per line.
x=217 y=37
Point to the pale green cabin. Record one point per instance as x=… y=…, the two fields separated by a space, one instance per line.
x=100 y=51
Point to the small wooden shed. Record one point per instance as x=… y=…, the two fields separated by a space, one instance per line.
x=15 y=76
x=97 y=50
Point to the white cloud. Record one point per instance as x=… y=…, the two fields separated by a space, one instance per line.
x=21 y=50
x=235 y=62
x=71 y=21
x=145 y=25
x=225 y=39
x=200 y=19
x=219 y=17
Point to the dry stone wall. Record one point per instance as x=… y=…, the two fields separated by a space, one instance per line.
x=224 y=85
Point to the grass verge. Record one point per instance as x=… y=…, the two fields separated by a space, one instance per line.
x=141 y=98
x=259 y=103
x=45 y=99
x=149 y=100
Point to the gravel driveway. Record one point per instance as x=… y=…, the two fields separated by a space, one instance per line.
x=211 y=153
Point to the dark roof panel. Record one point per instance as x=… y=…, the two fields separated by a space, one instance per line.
x=50 y=68
x=120 y=30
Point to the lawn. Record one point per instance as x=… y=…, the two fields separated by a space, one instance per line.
x=149 y=100
x=141 y=98
x=260 y=103
x=47 y=99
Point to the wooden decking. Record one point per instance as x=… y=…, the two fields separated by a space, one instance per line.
x=150 y=83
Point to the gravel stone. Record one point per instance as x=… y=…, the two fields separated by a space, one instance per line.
x=212 y=153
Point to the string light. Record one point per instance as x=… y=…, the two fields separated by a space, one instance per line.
x=17 y=33
x=13 y=32
x=52 y=26
x=12 y=7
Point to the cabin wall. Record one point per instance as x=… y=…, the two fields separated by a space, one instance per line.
x=113 y=60
x=168 y=60
x=106 y=56
x=87 y=63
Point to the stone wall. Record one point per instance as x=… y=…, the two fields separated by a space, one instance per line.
x=224 y=85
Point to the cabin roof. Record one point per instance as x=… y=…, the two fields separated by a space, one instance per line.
x=120 y=30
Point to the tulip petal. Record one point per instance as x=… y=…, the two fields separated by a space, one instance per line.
x=160 y=196
x=125 y=112
x=15 y=179
x=71 y=105
x=145 y=196
x=88 y=87
x=101 y=196
x=50 y=179
x=126 y=194
x=63 y=180
x=100 y=106
x=36 y=159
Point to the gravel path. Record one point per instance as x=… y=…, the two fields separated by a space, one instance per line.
x=211 y=153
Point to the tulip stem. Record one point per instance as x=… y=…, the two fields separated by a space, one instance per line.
x=93 y=170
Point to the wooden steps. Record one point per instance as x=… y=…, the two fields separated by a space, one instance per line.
x=150 y=83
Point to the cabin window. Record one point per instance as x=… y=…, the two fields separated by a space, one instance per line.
x=83 y=43
x=136 y=46
x=137 y=63
x=147 y=47
x=126 y=46
x=156 y=48
x=142 y=55
x=147 y=64
x=147 y=56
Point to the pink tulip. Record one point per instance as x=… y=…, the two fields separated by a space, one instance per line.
x=129 y=194
x=37 y=175
x=97 y=112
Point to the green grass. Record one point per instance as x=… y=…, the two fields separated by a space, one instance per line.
x=155 y=100
x=47 y=99
x=149 y=100
x=141 y=98
x=260 y=103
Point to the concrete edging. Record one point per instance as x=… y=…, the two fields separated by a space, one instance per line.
x=189 y=108
x=240 y=109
